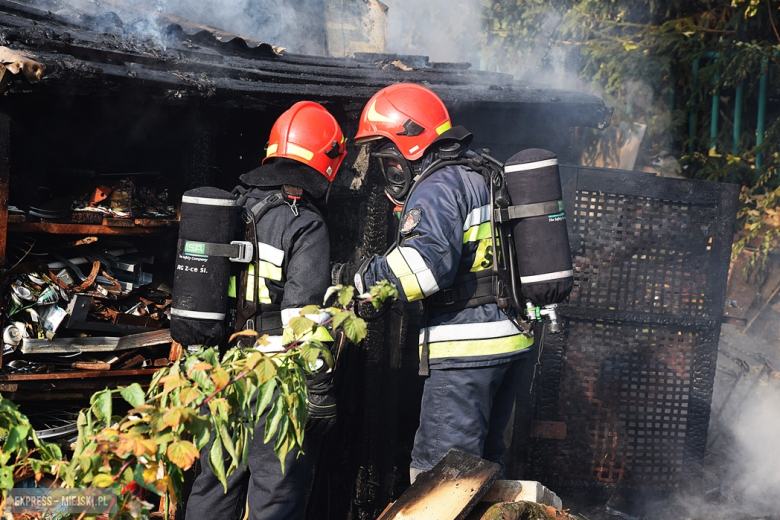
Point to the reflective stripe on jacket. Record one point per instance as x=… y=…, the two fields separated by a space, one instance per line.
x=451 y=238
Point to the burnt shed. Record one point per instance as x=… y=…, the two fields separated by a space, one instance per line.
x=184 y=105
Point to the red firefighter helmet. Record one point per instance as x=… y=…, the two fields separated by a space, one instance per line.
x=410 y=115
x=309 y=134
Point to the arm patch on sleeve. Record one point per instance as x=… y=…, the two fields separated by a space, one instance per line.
x=411 y=220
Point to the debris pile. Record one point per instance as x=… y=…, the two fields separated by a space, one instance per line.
x=95 y=199
x=79 y=306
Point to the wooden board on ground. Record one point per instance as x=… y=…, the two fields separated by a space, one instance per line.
x=448 y=492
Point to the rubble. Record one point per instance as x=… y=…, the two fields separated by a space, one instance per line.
x=67 y=302
x=463 y=486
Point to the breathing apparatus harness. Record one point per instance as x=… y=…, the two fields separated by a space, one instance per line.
x=500 y=283
x=252 y=314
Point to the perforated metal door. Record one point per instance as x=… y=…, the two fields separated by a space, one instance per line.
x=632 y=375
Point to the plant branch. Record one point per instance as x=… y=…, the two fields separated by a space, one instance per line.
x=771 y=19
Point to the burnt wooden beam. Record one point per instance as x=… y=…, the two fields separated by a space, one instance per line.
x=99 y=344
x=81 y=374
x=5 y=161
x=57 y=228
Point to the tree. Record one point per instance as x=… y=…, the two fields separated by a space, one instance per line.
x=661 y=63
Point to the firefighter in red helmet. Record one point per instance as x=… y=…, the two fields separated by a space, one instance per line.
x=471 y=350
x=305 y=149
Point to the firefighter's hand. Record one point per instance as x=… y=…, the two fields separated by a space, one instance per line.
x=322 y=400
x=343 y=274
x=322 y=412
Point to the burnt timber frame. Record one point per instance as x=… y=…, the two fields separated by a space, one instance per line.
x=203 y=106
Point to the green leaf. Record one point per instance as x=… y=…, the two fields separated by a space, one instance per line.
x=183 y=454
x=310 y=309
x=355 y=329
x=173 y=417
x=200 y=430
x=101 y=405
x=17 y=438
x=220 y=378
x=340 y=317
x=127 y=476
x=309 y=353
x=346 y=295
x=102 y=480
x=274 y=416
x=6 y=477
x=217 y=461
x=157 y=422
x=189 y=395
x=301 y=326
x=133 y=394
x=284 y=425
x=227 y=441
x=265 y=370
x=265 y=394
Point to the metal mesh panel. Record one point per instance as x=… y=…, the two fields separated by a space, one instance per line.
x=625 y=402
x=632 y=376
x=641 y=254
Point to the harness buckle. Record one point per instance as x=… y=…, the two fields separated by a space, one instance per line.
x=294 y=194
x=246 y=251
x=446 y=297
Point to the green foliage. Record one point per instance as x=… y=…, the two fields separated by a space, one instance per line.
x=639 y=55
x=167 y=427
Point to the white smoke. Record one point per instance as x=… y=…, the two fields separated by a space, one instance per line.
x=758 y=451
x=444 y=30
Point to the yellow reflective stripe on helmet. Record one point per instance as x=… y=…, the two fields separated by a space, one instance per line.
x=475 y=233
x=300 y=151
x=443 y=127
x=271 y=149
x=479 y=347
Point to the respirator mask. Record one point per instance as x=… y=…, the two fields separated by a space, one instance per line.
x=399 y=172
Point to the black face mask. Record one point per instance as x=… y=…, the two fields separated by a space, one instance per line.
x=398 y=176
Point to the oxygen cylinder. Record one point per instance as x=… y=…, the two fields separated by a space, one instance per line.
x=539 y=226
x=200 y=284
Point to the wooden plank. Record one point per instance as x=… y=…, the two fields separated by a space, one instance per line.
x=447 y=492
x=81 y=374
x=81 y=229
x=175 y=352
x=521 y=491
x=99 y=344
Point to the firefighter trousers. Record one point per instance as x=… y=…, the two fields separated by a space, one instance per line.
x=465 y=409
x=261 y=486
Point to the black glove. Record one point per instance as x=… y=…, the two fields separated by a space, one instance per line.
x=322 y=402
x=343 y=274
